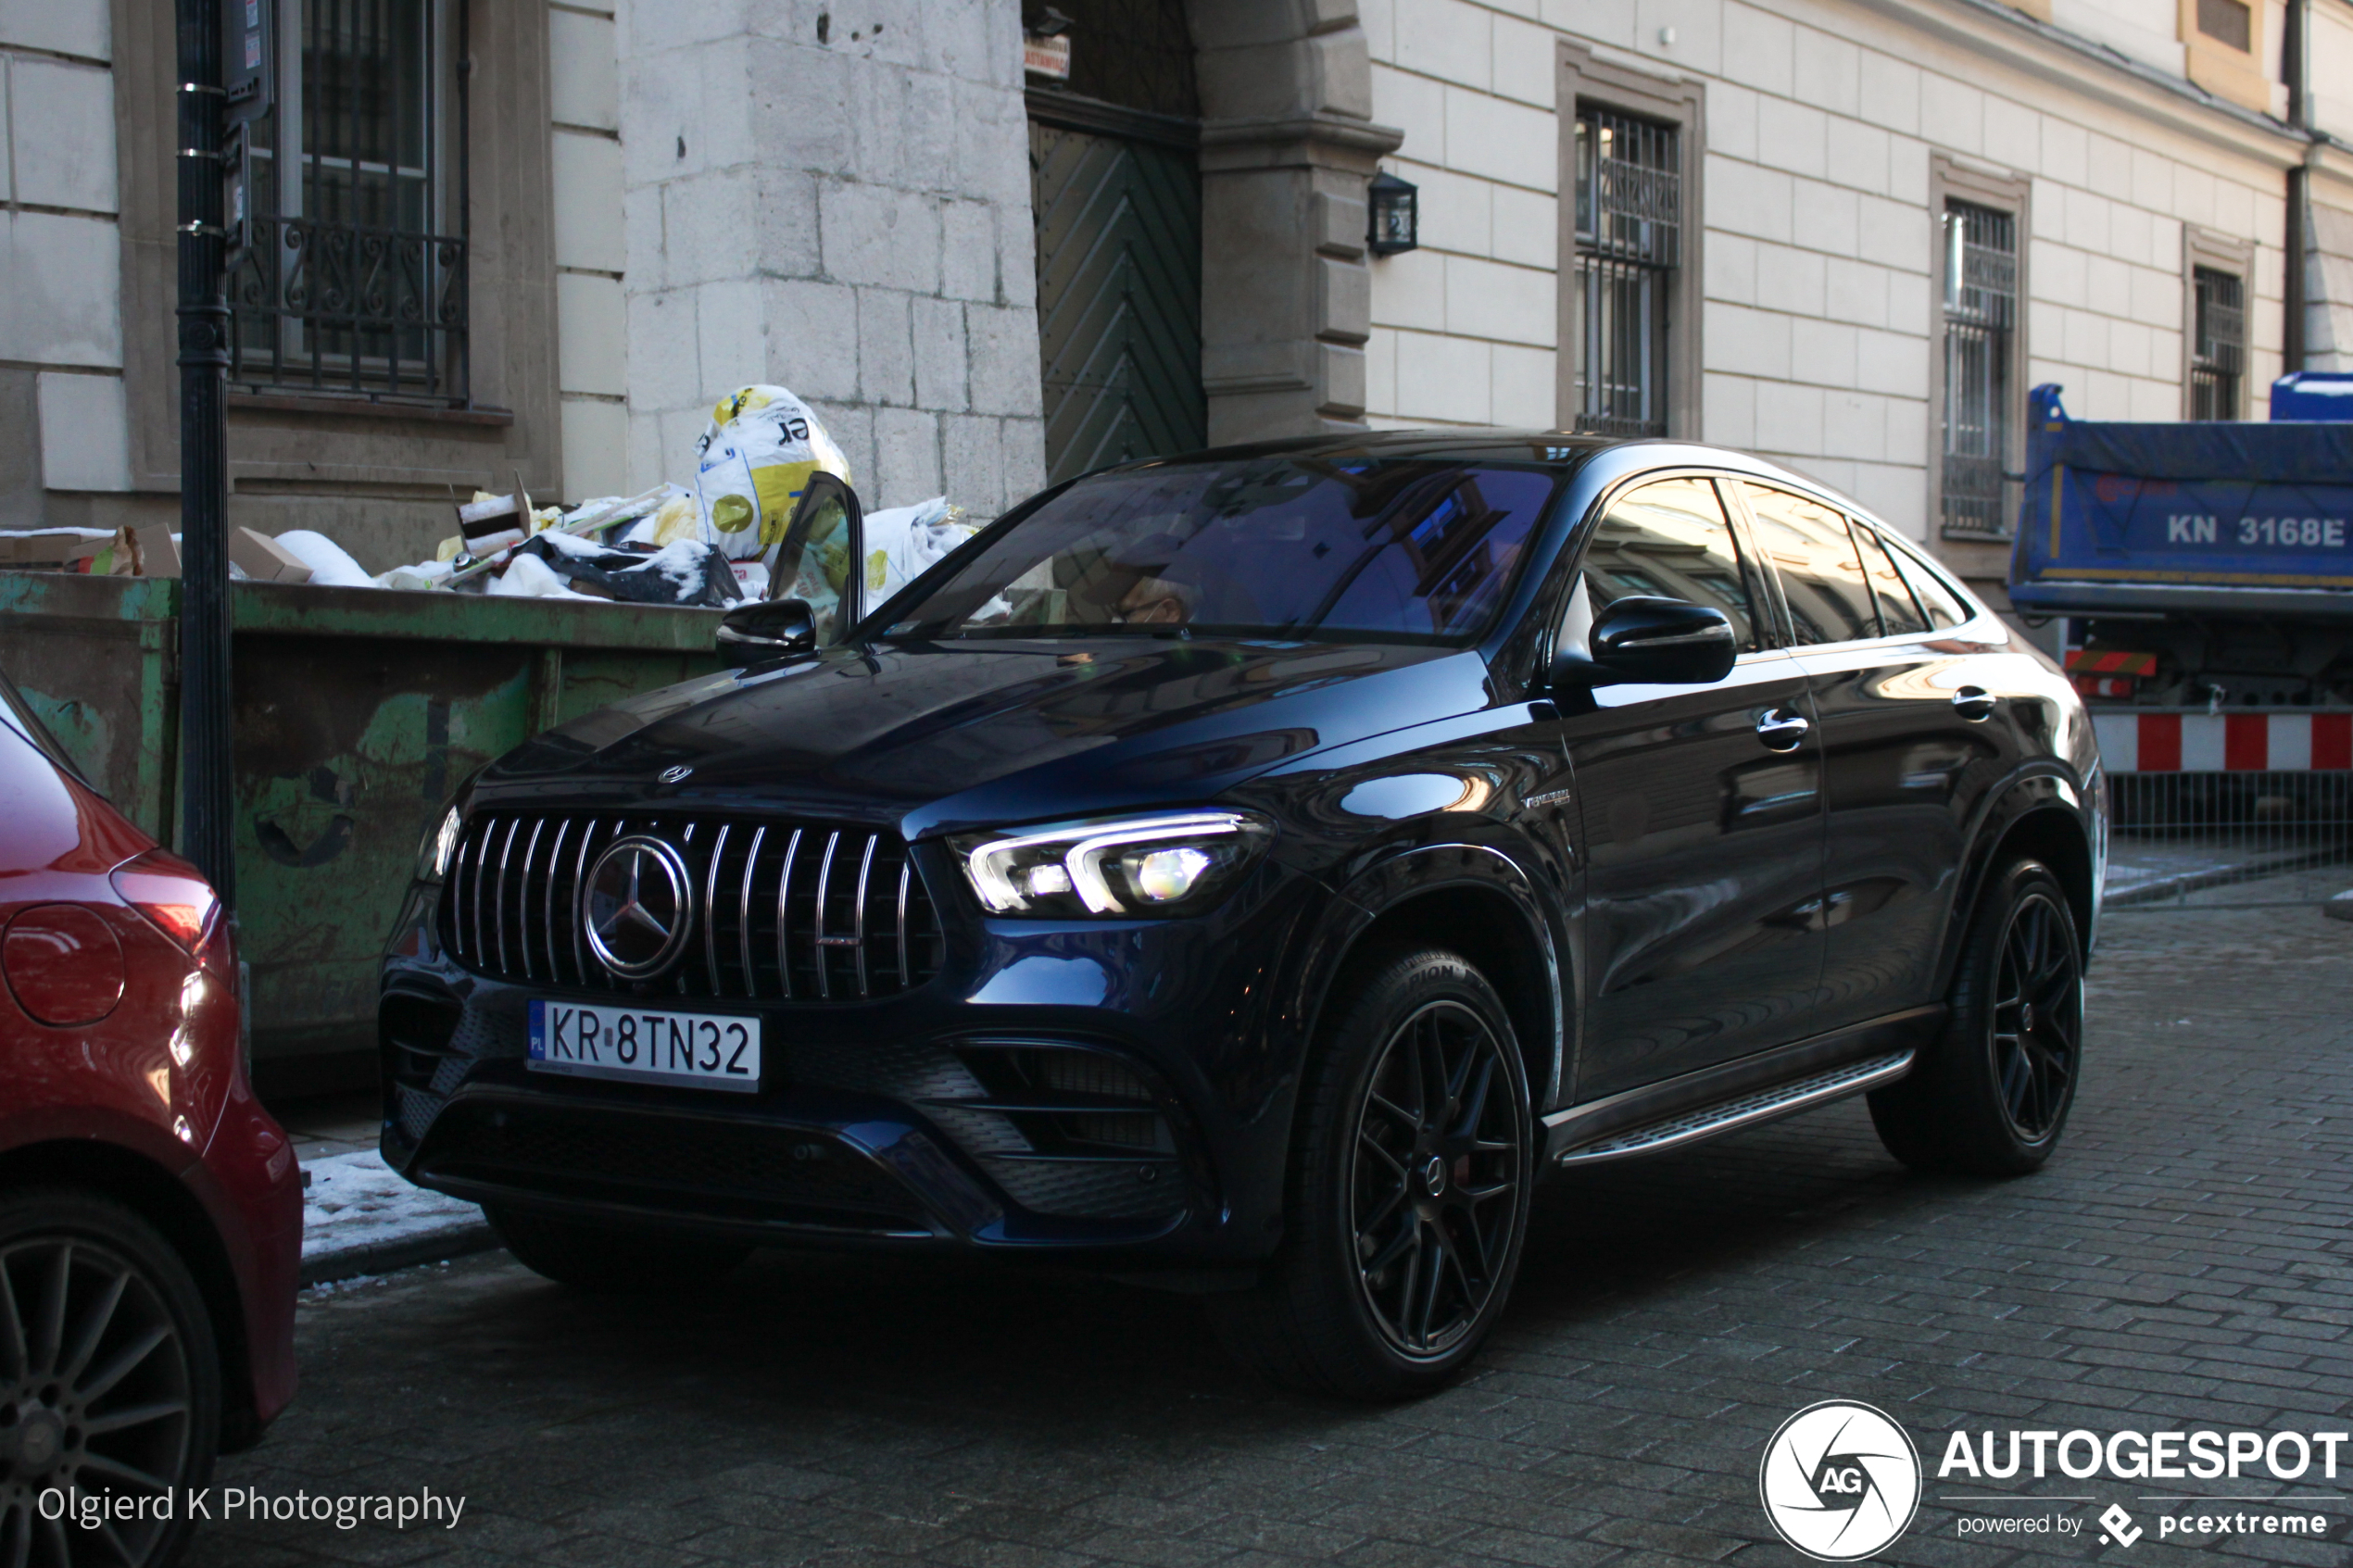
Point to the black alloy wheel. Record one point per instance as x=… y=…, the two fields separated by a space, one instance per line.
x=2038 y=1016
x=109 y=1387
x=1407 y=1198
x=1990 y=1097
x=1437 y=1182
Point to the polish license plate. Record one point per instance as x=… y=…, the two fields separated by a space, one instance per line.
x=641 y=1044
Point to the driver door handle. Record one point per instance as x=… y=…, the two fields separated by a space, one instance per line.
x=1974 y=704
x=1780 y=730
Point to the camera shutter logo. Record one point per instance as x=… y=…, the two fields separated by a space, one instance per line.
x=1840 y=1481
x=637 y=906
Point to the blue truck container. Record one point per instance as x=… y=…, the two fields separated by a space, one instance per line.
x=2203 y=566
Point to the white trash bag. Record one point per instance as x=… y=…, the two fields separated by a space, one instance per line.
x=903 y=542
x=753 y=462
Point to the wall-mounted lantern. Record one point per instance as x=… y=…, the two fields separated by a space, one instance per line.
x=1396 y=215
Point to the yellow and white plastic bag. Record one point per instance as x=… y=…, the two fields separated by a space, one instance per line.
x=754 y=460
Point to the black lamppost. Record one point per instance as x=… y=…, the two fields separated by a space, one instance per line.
x=204 y=450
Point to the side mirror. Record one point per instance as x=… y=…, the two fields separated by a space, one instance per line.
x=1660 y=642
x=765 y=628
x=821 y=560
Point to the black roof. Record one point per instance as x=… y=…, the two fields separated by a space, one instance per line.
x=1516 y=445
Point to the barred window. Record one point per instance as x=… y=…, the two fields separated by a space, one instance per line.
x=355 y=279
x=1630 y=227
x=2217 y=343
x=1981 y=324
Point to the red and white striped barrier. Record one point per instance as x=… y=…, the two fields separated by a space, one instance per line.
x=2223 y=743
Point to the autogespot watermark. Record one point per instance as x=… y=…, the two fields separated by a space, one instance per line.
x=1842 y=1481
x=96 y=1511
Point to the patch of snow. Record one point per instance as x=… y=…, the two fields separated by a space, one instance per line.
x=681 y=564
x=531 y=578
x=573 y=544
x=330 y=566
x=88 y=536
x=356 y=1200
x=425 y=575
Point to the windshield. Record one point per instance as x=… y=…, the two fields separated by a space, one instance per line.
x=1420 y=549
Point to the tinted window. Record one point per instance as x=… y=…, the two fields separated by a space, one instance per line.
x=1821 y=576
x=1668 y=539
x=1897 y=613
x=1422 y=549
x=1945 y=608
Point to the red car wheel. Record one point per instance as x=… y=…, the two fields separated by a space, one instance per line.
x=109 y=1384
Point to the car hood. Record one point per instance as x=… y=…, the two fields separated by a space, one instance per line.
x=930 y=737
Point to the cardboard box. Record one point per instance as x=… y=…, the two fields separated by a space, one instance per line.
x=156 y=552
x=480 y=521
x=37 y=551
x=263 y=558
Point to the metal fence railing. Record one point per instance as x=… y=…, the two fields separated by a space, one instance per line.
x=2214 y=808
x=2219 y=840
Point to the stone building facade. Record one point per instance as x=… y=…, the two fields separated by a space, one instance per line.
x=1846 y=233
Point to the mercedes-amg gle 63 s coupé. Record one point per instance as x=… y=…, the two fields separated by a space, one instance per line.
x=1254 y=870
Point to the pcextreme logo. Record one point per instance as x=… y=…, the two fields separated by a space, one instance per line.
x=1840 y=1481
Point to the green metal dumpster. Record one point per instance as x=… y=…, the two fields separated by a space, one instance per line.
x=357 y=712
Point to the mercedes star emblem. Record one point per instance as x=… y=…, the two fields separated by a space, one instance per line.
x=637 y=906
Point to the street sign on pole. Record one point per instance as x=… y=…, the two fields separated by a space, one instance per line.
x=248 y=58
x=205 y=806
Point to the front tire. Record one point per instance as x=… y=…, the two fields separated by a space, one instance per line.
x=1992 y=1095
x=609 y=1259
x=109 y=1379
x=1408 y=1189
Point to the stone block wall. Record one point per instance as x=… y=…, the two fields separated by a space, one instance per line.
x=836 y=200
x=62 y=422
x=592 y=258
x=1822 y=121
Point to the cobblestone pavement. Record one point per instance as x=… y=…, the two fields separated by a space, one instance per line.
x=2185 y=1263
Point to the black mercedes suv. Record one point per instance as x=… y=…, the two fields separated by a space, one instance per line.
x=1252 y=871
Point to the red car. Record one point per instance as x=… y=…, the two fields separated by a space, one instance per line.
x=150 y=1209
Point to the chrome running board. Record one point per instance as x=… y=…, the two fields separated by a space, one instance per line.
x=1748 y=1110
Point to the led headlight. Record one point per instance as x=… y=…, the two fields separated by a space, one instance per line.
x=440 y=848
x=1172 y=863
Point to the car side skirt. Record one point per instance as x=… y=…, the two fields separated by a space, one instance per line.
x=1737 y=1095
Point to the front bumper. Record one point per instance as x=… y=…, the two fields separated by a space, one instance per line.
x=1113 y=1089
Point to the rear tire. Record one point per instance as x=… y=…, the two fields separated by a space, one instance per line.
x=111 y=1385
x=1408 y=1191
x=1990 y=1097
x=611 y=1260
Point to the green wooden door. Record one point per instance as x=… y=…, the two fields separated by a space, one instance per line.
x=1118 y=298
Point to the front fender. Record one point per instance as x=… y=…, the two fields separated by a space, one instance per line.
x=1376 y=883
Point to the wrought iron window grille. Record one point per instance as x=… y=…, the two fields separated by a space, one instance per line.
x=2217 y=343
x=1980 y=321
x=354 y=281
x=1630 y=230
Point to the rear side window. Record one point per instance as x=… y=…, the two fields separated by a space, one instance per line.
x=1945 y=608
x=1670 y=539
x=1830 y=601
x=1897 y=613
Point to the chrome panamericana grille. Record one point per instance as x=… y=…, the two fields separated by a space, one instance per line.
x=782 y=910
